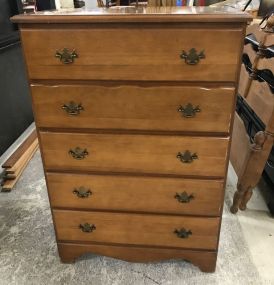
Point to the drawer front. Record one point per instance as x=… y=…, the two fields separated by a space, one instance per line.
x=153 y=52
x=163 y=108
x=137 y=194
x=137 y=229
x=135 y=153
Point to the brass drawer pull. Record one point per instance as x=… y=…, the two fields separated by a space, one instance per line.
x=183 y=233
x=87 y=228
x=82 y=192
x=72 y=108
x=78 y=153
x=66 y=56
x=184 y=197
x=186 y=156
x=189 y=111
x=192 y=57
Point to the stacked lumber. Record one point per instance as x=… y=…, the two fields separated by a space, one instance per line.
x=17 y=162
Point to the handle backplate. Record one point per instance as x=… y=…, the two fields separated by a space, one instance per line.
x=73 y=108
x=192 y=57
x=182 y=233
x=184 y=197
x=187 y=156
x=189 y=111
x=78 y=153
x=82 y=192
x=66 y=56
x=87 y=228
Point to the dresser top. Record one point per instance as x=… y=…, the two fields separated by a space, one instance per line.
x=133 y=14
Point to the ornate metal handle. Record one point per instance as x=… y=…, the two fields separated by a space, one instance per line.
x=66 y=56
x=183 y=233
x=82 y=192
x=192 y=57
x=78 y=153
x=72 y=108
x=87 y=228
x=189 y=111
x=187 y=156
x=184 y=197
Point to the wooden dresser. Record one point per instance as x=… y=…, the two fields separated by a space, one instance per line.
x=133 y=109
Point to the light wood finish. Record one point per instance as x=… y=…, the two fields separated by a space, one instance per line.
x=137 y=194
x=15 y=172
x=248 y=49
x=157 y=58
x=137 y=229
x=205 y=260
x=135 y=153
x=15 y=169
x=240 y=145
x=261 y=100
x=134 y=107
x=11 y=161
x=245 y=82
x=249 y=159
x=131 y=77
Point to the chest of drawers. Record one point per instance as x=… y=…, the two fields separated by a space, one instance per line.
x=134 y=111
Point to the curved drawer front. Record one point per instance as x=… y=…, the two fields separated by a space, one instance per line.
x=154 y=52
x=194 y=156
x=134 y=229
x=136 y=194
x=162 y=108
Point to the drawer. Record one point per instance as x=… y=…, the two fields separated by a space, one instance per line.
x=136 y=194
x=145 y=107
x=134 y=52
x=137 y=229
x=135 y=153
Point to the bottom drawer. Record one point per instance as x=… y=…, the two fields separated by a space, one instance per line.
x=137 y=229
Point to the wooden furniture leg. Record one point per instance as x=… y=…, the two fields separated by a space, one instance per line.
x=251 y=173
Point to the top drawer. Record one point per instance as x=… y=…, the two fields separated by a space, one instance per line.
x=125 y=52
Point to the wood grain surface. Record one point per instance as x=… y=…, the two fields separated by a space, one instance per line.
x=104 y=54
x=134 y=107
x=135 y=194
x=137 y=229
x=135 y=153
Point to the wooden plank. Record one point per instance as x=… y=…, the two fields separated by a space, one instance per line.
x=10 y=162
x=21 y=161
x=9 y=184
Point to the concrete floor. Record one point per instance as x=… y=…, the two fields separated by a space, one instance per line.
x=256 y=223
x=258 y=230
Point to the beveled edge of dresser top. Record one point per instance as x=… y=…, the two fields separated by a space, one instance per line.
x=137 y=15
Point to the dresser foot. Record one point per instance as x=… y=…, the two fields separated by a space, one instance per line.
x=204 y=260
x=237 y=199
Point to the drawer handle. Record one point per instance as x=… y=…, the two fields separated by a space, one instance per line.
x=87 y=228
x=192 y=57
x=183 y=233
x=82 y=192
x=189 y=111
x=72 y=108
x=66 y=56
x=78 y=153
x=187 y=156
x=184 y=197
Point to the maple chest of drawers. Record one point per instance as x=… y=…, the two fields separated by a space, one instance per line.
x=134 y=111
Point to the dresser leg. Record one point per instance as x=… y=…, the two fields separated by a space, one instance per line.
x=207 y=265
x=238 y=196
x=67 y=254
x=245 y=199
